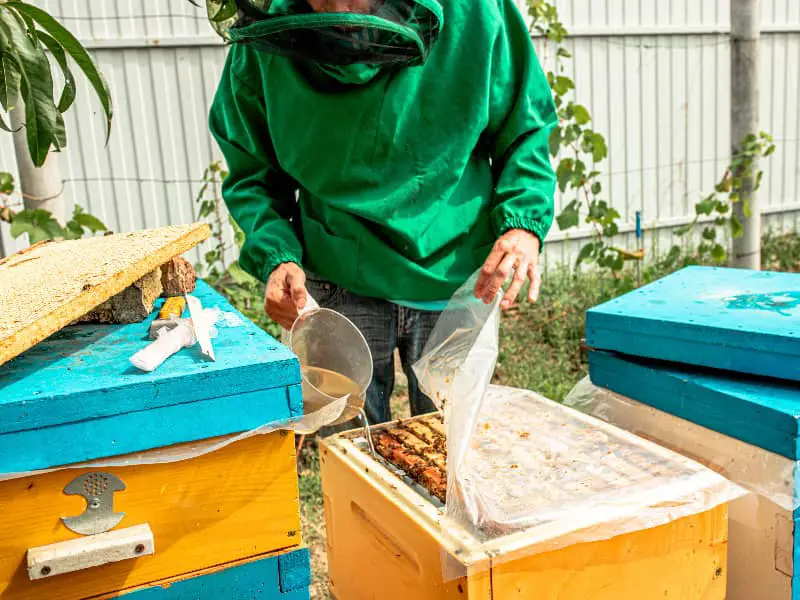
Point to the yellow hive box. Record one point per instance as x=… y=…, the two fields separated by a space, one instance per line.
x=386 y=540
x=233 y=504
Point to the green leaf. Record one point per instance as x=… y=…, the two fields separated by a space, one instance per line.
x=9 y=82
x=757 y=183
x=737 y=229
x=6 y=183
x=586 y=254
x=561 y=84
x=569 y=217
x=564 y=173
x=705 y=207
x=74 y=48
x=672 y=256
x=570 y=134
x=41 y=114
x=581 y=115
x=87 y=221
x=238 y=234
x=600 y=150
x=60 y=133
x=746 y=208
x=227 y=9
x=554 y=141
x=596 y=188
x=206 y=208
x=240 y=276
x=718 y=253
x=618 y=262
x=610 y=229
x=68 y=93
x=73 y=230
x=709 y=233
x=598 y=210
x=38 y=224
x=578 y=174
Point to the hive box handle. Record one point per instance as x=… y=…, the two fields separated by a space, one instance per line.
x=90 y=551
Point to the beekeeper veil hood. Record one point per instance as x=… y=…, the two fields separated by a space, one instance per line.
x=393 y=32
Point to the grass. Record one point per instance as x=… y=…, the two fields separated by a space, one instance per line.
x=313 y=518
x=540 y=349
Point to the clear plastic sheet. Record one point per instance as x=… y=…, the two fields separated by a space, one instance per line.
x=527 y=475
x=755 y=469
x=455 y=370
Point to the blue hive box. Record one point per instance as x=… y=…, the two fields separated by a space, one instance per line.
x=283 y=577
x=759 y=411
x=78 y=390
x=731 y=319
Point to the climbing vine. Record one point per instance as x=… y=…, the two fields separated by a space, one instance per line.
x=580 y=147
x=580 y=150
x=243 y=290
x=715 y=212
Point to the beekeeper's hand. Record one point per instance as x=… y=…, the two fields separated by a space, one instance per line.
x=286 y=294
x=517 y=252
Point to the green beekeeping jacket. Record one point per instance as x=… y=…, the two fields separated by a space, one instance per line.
x=391 y=181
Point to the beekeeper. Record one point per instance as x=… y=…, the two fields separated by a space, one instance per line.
x=379 y=153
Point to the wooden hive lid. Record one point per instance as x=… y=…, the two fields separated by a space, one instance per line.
x=49 y=285
x=75 y=396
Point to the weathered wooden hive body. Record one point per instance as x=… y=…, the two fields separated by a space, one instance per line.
x=388 y=537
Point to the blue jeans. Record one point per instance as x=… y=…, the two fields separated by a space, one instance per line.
x=386 y=327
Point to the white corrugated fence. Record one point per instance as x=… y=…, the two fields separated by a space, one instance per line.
x=654 y=74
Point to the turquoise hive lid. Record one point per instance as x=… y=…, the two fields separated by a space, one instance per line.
x=731 y=319
x=75 y=396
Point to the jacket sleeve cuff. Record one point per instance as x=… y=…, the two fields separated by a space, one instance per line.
x=273 y=261
x=534 y=226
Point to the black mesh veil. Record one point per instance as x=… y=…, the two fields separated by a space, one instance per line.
x=392 y=32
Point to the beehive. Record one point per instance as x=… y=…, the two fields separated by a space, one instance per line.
x=211 y=497
x=746 y=428
x=387 y=537
x=716 y=351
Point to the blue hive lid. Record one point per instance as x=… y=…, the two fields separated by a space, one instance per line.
x=737 y=320
x=76 y=397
